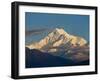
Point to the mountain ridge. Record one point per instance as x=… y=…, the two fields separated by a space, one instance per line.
x=58 y=37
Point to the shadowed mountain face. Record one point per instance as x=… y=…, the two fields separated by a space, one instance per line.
x=36 y=58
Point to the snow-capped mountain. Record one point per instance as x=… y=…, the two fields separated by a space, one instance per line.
x=56 y=40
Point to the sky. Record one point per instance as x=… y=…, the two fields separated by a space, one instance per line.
x=38 y=25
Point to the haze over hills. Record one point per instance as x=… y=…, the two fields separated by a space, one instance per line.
x=57 y=38
x=36 y=58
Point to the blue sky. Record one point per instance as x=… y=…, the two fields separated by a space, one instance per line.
x=38 y=25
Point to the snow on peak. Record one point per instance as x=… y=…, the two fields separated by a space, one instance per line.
x=57 y=38
x=60 y=31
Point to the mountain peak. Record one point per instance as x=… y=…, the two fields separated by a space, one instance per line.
x=60 y=31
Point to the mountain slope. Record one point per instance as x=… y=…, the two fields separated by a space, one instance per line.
x=36 y=58
x=57 y=38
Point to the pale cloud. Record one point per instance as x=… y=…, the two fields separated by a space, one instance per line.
x=36 y=31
